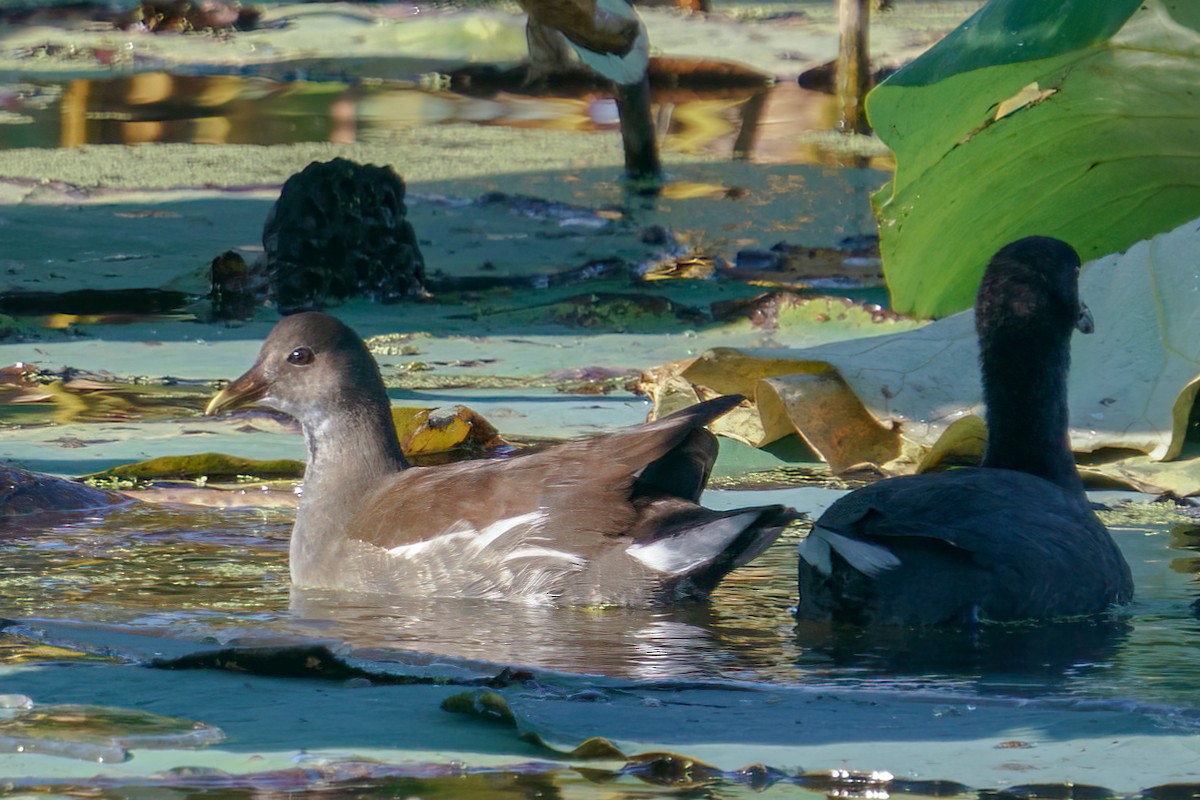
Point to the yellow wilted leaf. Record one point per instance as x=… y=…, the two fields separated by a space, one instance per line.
x=828 y=416
x=424 y=430
x=692 y=268
x=730 y=371
x=1029 y=95
x=961 y=444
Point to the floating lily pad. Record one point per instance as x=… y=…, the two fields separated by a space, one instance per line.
x=608 y=311
x=98 y=733
x=783 y=310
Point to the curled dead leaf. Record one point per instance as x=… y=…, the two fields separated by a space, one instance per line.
x=425 y=430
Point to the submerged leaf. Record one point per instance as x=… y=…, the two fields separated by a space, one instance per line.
x=669 y=769
x=314 y=661
x=490 y=705
x=214 y=466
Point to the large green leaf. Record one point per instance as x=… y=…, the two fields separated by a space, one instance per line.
x=1078 y=120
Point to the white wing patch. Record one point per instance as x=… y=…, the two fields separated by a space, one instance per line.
x=626 y=69
x=869 y=559
x=684 y=552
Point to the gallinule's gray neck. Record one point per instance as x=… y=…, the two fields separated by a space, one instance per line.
x=609 y=520
x=1012 y=540
x=323 y=375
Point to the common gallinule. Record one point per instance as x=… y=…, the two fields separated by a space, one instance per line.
x=610 y=520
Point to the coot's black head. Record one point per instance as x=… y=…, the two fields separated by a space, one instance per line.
x=1030 y=291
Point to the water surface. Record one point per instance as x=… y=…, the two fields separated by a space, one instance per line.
x=221 y=576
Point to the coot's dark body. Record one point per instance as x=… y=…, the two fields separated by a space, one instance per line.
x=1013 y=540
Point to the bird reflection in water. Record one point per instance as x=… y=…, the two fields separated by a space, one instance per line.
x=637 y=644
x=1007 y=659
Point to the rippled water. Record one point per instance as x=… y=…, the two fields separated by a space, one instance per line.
x=221 y=575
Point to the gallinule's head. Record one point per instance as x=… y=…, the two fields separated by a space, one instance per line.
x=311 y=366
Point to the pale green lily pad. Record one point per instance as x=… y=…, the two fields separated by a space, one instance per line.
x=1073 y=120
x=97 y=733
x=287 y=33
x=1132 y=382
x=727 y=728
x=492 y=706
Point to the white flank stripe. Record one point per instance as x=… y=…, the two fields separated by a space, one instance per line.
x=497 y=529
x=461 y=536
x=544 y=552
x=815 y=551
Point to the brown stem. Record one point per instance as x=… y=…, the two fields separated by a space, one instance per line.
x=853 y=74
x=637 y=131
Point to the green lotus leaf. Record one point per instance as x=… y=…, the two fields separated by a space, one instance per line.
x=1078 y=120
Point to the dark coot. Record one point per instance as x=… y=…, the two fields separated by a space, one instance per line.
x=1015 y=539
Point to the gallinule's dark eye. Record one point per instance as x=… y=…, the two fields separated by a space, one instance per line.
x=300 y=356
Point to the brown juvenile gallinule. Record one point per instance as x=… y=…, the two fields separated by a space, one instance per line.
x=610 y=520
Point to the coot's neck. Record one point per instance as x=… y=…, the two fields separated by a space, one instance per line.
x=352 y=447
x=1025 y=392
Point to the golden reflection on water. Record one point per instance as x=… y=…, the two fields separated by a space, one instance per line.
x=740 y=635
x=30 y=398
x=763 y=124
